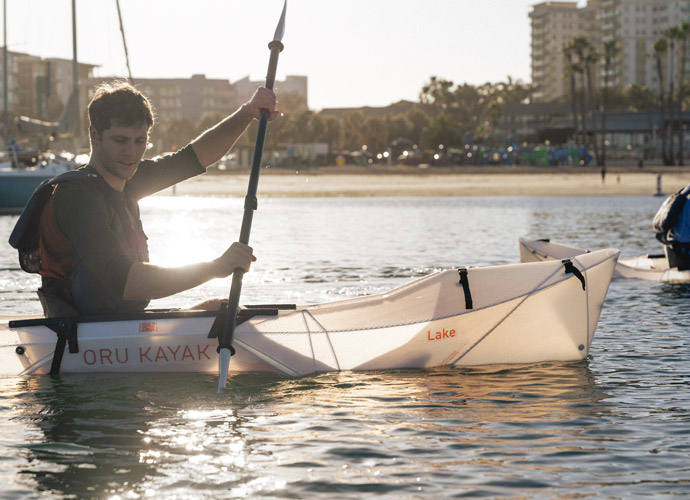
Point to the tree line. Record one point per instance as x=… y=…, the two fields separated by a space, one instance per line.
x=446 y=115
x=582 y=60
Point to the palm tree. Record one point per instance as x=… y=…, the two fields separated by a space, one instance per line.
x=573 y=67
x=585 y=57
x=590 y=59
x=672 y=34
x=611 y=49
x=682 y=36
x=660 y=50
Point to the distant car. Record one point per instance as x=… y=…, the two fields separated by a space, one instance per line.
x=228 y=161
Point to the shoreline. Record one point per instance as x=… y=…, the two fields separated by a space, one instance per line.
x=358 y=181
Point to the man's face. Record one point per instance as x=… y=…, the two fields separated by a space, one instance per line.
x=120 y=149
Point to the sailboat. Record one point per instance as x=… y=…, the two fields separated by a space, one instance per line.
x=19 y=177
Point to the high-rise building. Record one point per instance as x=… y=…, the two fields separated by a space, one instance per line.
x=553 y=24
x=635 y=25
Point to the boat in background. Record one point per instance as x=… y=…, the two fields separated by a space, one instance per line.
x=17 y=183
x=21 y=172
x=652 y=267
x=497 y=315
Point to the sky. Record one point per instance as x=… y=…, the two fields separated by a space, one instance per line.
x=354 y=52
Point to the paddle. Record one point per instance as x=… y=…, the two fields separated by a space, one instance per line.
x=225 y=348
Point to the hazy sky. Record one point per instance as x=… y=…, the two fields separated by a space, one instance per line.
x=354 y=52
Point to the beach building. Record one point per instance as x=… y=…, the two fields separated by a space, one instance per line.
x=40 y=88
x=293 y=84
x=186 y=98
x=635 y=24
x=552 y=24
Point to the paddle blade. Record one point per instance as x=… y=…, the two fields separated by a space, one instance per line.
x=223 y=366
x=280 y=29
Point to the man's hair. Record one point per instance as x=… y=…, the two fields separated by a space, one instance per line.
x=119 y=103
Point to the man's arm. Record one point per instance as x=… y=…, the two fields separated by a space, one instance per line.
x=146 y=281
x=212 y=144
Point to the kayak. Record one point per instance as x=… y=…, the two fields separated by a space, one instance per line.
x=645 y=267
x=497 y=315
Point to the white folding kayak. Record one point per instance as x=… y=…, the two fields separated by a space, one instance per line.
x=644 y=267
x=510 y=314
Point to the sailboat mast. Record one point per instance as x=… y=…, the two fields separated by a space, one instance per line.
x=75 y=79
x=5 y=91
x=124 y=42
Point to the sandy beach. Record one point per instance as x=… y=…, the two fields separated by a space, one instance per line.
x=441 y=181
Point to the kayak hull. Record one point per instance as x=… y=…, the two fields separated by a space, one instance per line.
x=513 y=314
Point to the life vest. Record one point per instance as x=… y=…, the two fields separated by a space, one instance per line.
x=680 y=232
x=672 y=220
x=25 y=235
x=75 y=283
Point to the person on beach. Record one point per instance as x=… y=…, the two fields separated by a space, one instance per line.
x=92 y=251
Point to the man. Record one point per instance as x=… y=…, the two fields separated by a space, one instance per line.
x=93 y=250
x=672 y=227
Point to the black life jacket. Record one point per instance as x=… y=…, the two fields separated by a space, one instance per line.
x=25 y=235
x=669 y=213
x=83 y=289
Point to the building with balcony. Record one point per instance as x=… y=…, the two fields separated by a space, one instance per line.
x=295 y=85
x=186 y=98
x=553 y=24
x=39 y=88
x=634 y=24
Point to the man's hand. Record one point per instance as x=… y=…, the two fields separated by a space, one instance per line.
x=238 y=256
x=263 y=98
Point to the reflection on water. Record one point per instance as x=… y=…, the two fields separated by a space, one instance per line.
x=348 y=433
x=615 y=425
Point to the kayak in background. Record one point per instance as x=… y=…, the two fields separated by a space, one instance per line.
x=645 y=267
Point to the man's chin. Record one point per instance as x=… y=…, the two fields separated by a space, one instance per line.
x=124 y=173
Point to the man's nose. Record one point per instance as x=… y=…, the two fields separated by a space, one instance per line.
x=130 y=148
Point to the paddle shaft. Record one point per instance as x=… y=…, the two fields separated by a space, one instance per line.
x=250 y=202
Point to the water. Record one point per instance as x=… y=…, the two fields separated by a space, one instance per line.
x=614 y=426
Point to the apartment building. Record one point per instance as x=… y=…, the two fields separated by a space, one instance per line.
x=552 y=24
x=292 y=84
x=39 y=88
x=635 y=25
x=188 y=98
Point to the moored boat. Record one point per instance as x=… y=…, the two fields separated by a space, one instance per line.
x=510 y=314
x=17 y=184
x=652 y=267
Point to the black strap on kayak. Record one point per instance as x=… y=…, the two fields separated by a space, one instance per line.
x=570 y=268
x=243 y=314
x=66 y=330
x=218 y=326
x=465 y=287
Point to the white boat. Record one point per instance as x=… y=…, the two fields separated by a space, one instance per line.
x=644 y=267
x=510 y=314
x=17 y=184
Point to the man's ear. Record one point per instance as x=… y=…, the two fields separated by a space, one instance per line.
x=93 y=134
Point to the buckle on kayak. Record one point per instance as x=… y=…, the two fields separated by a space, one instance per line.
x=570 y=268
